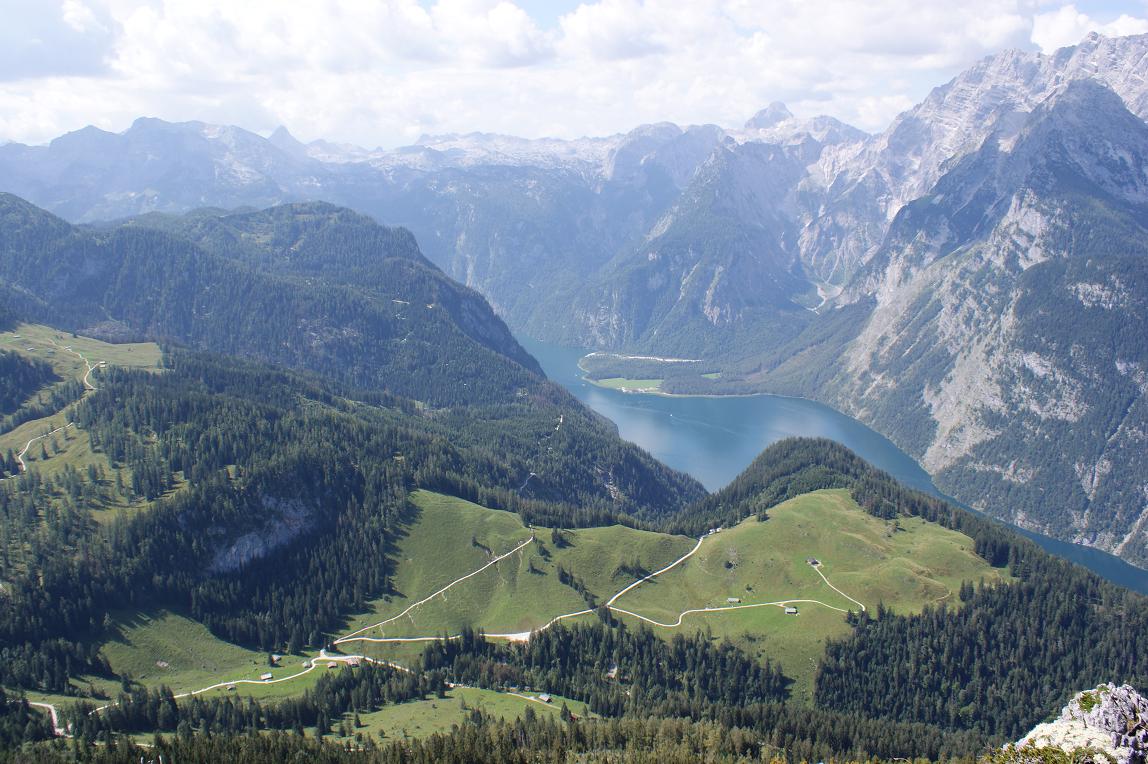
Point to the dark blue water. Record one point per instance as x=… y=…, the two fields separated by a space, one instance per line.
x=714 y=439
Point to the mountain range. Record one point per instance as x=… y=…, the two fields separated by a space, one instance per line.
x=969 y=282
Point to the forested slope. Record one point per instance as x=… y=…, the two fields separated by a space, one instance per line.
x=290 y=497
x=265 y=502
x=318 y=241
x=995 y=661
x=327 y=291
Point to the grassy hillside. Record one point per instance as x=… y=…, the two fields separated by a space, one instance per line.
x=904 y=564
x=444 y=539
x=448 y=538
x=65 y=351
x=170 y=649
x=421 y=718
x=42 y=423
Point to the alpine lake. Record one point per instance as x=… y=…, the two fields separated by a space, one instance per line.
x=714 y=438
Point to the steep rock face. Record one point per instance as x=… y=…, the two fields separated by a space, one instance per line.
x=1006 y=346
x=837 y=211
x=865 y=189
x=1107 y=720
x=287 y=519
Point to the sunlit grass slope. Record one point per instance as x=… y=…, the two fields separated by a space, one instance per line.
x=449 y=538
x=904 y=564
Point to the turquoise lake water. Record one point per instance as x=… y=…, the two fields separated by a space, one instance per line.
x=714 y=439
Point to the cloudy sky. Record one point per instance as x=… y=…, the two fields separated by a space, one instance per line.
x=383 y=72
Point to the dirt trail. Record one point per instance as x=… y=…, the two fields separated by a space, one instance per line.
x=357 y=636
x=496 y=560
x=20 y=456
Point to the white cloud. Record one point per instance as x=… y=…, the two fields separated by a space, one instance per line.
x=48 y=37
x=489 y=34
x=380 y=72
x=1067 y=26
x=612 y=30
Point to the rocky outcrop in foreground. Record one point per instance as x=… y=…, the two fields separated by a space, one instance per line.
x=1108 y=720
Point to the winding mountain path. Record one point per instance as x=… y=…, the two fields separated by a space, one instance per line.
x=20 y=456
x=818 y=567
x=88 y=387
x=314 y=664
x=523 y=636
x=722 y=609
x=673 y=564
x=91 y=366
x=52 y=712
x=358 y=635
x=424 y=600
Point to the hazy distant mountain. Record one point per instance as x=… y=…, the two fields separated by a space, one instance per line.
x=719 y=268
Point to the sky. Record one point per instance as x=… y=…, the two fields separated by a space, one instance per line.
x=384 y=72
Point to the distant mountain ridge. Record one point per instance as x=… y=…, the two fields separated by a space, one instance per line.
x=475 y=201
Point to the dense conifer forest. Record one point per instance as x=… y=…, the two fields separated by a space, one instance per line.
x=657 y=701
x=20 y=377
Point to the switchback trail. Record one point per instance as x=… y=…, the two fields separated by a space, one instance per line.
x=88 y=387
x=357 y=636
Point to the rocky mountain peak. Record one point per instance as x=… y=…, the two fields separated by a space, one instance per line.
x=770 y=116
x=1085 y=126
x=90 y=138
x=284 y=141
x=956 y=117
x=1108 y=720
